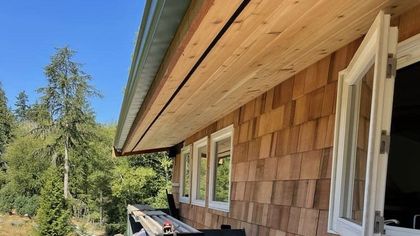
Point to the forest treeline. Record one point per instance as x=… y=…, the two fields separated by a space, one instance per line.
x=56 y=160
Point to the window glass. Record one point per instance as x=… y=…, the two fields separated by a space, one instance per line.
x=222 y=168
x=356 y=155
x=186 y=175
x=202 y=175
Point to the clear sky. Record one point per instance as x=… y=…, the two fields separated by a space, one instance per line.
x=103 y=33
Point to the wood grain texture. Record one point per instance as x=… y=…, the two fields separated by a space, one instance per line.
x=202 y=22
x=269 y=42
x=281 y=173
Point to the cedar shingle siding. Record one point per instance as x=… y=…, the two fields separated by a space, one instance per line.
x=282 y=152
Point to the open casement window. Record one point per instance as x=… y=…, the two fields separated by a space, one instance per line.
x=220 y=169
x=185 y=178
x=199 y=181
x=362 y=128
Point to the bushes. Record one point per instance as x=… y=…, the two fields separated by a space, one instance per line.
x=11 y=200
x=26 y=205
x=53 y=215
x=7 y=198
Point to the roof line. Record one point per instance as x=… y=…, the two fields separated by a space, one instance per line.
x=196 y=65
x=159 y=24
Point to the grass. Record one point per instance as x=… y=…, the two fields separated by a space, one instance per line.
x=16 y=225
x=89 y=228
x=23 y=226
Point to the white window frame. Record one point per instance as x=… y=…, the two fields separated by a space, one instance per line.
x=184 y=151
x=374 y=49
x=195 y=176
x=408 y=53
x=215 y=137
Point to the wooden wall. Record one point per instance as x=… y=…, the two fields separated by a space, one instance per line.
x=282 y=151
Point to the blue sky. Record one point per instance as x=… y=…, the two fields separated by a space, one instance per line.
x=103 y=33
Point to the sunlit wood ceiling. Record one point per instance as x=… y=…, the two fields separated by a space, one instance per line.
x=268 y=42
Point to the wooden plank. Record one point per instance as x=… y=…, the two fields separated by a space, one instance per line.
x=240 y=171
x=200 y=25
x=278 y=217
x=322 y=194
x=262 y=191
x=294 y=219
x=409 y=24
x=283 y=93
x=246 y=78
x=283 y=192
x=311 y=163
x=288 y=167
x=265 y=146
x=308 y=222
x=307 y=136
x=304 y=193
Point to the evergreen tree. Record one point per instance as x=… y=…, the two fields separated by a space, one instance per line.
x=6 y=124
x=21 y=106
x=65 y=97
x=53 y=216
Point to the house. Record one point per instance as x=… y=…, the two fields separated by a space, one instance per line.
x=288 y=117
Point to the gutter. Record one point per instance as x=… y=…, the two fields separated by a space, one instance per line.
x=160 y=22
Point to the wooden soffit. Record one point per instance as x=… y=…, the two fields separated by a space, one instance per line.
x=229 y=52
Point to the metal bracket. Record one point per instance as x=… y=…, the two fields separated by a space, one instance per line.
x=385 y=142
x=391 y=66
x=378 y=228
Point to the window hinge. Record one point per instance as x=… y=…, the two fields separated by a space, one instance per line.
x=385 y=141
x=391 y=66
x=379 y=223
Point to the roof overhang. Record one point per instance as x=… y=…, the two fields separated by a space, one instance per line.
x=226 y=53
x=160 y=22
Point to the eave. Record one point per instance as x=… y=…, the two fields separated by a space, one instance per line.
x=236 y=51
x=160 y=22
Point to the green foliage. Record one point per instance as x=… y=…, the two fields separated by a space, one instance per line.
x=22 y=181
x=6 y=124
x=132 y=185
x=140 y=179
x=7 y=197
x=53 y=215
x=222 y=179
x=162 y=165
x=26 y=205
x=59 y=133
x=21 y=106
x=26 y=161
x=65 y=98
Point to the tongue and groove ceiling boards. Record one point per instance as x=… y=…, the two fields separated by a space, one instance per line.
x=265 y=43
x=201 y=24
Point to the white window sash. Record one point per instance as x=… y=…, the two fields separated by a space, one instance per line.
x=196 y=175
x=184 y=151
x=380 y=40
x=216 y=137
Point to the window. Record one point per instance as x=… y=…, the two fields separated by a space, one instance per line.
x=364 y=104
x=402 y=196
x=199 y=172
x=185 y=174
x=220 y=169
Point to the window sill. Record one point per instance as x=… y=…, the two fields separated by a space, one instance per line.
x=219 y=206
x=200 y=203
x=184 y=200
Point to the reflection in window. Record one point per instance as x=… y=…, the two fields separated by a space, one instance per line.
x=222 y=167
x=202 y=167
x=186 y=175
x=356 y=155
